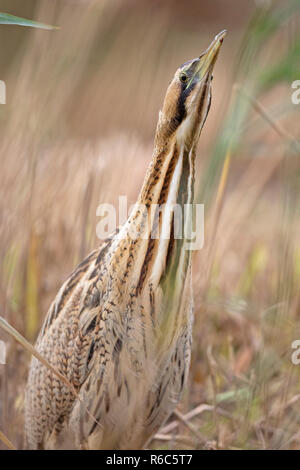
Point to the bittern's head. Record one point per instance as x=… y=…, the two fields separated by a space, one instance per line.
x=188 y=96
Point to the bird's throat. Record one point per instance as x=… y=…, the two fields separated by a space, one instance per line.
x=167 y=194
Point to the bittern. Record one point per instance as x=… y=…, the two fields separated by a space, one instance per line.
x=120 y=327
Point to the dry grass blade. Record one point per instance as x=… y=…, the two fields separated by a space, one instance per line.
x=283 y=133
x=190 y=426
x=212 y=368
x=18 y=337
x=191 y=414
x=6 y=441
x=219 y=204
x=223 y=179
x=171 y=437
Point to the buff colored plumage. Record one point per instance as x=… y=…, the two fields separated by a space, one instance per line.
x=120 y=327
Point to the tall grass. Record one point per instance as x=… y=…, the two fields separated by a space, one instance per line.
x=77 y=131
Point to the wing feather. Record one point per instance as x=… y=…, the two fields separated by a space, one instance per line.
x=66 y=341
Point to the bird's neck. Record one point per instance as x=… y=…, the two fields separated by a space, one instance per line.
x=167 y=196
x=170 y=176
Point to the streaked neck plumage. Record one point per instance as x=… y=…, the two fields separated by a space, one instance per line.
x=170 y=181
x=160 y=255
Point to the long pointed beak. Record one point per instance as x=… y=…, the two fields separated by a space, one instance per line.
x=208 y=58
x=210 y=55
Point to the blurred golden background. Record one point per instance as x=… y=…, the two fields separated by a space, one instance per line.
x=77 y=131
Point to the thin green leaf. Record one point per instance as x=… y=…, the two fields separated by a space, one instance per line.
x=233 y=395
x=6 y=18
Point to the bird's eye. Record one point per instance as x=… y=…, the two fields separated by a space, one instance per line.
x=183 y=77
